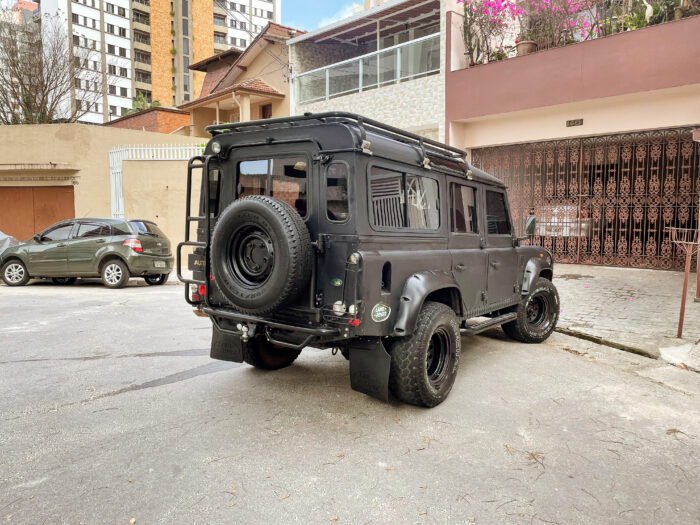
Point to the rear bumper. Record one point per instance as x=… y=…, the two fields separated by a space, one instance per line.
x=140 y=264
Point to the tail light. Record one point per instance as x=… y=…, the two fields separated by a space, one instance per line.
x=134 y=244
x=202 y=290
x=194 y=294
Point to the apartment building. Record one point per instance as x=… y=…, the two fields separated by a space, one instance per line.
x=237 y=23
x=100 y=34
x=147 y=46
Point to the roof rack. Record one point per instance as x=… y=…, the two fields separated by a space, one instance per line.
x=363 y=123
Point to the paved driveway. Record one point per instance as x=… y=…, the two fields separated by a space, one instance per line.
x=111 y=409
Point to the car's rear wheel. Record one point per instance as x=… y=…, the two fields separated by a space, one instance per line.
x=15 y=273
x=424 y=364
x=261 y=353
x=156 y=280
x=63 y=280
x=115 y=274
x=537 y=314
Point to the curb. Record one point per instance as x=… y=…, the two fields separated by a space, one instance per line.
x=606 y=342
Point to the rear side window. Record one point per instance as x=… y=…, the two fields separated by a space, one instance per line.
x=120 y=229
x=146 y=228
x=464 y=209
x=497 y=214
x=401 y=200
x=281 y=177
x=59 y=233
x=337 y=192
x=93 y=230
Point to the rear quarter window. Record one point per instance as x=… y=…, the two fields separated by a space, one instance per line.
x=403 y=200
x=146 y=228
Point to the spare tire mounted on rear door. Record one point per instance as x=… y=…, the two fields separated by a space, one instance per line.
x=261 y=254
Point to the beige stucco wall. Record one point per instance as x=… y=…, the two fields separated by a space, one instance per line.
x=662 y=108
x=85 y=150
x=156 y=190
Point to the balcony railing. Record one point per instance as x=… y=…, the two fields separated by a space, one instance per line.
x=420 y=57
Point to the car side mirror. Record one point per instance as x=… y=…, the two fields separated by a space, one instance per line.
x=37 y=238
x=530 y=223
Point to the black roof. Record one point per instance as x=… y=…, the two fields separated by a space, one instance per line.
x=375 y=133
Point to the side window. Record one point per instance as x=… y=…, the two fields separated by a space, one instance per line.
x=121 y=229
x=93 y=230
x=281 y=177
x=59 y=233
x=497 y=214
x=464 y=217
x=404 y=201
x=337 y=192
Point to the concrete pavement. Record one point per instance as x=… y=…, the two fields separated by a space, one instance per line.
x=111 y=410
x=631 y=309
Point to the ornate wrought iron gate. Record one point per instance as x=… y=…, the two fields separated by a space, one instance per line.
x=604 y=200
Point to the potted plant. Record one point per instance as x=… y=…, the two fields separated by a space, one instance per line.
x=524 y=45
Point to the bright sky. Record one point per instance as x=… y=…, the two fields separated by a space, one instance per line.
x=310 y=14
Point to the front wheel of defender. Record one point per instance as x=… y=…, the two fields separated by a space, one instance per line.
x=261 y=353
x=424 y=364
x=537 y=314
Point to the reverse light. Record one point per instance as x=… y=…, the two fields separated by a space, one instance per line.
x=194 y=294
x=134 y=244
x=339 y=308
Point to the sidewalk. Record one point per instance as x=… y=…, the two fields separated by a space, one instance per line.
x=631 y=309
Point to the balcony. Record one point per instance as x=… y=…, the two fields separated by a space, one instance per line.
x=400 y=63
x=651 y=58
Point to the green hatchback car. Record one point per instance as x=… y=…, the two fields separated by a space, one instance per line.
x=113 y=249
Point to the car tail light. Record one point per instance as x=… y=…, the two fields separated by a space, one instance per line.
x=354 y=322
x=134 y=244
x=202 y=290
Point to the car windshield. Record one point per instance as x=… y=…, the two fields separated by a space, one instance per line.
x=146 y=228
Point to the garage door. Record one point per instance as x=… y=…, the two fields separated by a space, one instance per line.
x=604 y=200
x=25 y=211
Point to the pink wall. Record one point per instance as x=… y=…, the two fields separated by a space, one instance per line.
x=656 y=57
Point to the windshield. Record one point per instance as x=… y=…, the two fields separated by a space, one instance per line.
x=146 y=228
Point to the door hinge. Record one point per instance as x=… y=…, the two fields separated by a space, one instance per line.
x=322 y=242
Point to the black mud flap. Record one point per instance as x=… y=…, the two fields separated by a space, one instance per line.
x=370 y=364
x=225 y=346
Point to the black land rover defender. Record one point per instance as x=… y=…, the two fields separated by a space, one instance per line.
x=336 y=231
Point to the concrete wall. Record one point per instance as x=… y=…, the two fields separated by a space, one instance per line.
x=80 y=155
x=673 y=107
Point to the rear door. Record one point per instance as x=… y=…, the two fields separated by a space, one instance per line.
x=502 y=255
x=469 y=259
x=153 y=240
x=89 y=237
x=50 y=256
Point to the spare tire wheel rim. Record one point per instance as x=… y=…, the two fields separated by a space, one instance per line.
x=251 y=255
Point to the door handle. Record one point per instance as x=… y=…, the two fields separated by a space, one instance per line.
x=460 y=267
x=99 y=241
x=496 y=265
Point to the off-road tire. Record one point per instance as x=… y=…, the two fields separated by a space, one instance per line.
x=109 y=274
x=63 y=281
x=156 y=280
x=261 y=353
x=409 y=378
x=265 y=235
x=14 y=273
x=531 y=325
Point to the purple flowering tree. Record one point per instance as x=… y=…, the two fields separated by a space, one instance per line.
x=486 y=24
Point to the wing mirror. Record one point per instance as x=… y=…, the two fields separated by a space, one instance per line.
x=37 y=238
x=530 y=223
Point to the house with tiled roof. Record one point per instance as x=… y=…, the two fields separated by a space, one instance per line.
x=242 y=85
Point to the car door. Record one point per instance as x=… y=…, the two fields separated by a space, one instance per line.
x=502 y=255
x=466 y=246
x=49 y=257
x=88 y=238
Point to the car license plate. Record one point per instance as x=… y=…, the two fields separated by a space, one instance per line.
x=159 y=264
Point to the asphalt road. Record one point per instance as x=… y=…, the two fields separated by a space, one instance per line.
x=110 y=409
